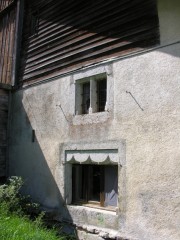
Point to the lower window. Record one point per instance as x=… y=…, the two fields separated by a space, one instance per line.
x=95 y=184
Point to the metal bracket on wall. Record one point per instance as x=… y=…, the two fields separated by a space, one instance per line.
x=135 y=100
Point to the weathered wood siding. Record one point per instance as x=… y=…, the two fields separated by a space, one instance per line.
x=75 y=33
x=4 y=4
x=7 y=36
x=3 y=130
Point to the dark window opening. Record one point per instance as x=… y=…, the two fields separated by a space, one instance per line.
x=34 y=24
x=95 y=184
x=93 y=95
x=85 y=97
x=101 y=95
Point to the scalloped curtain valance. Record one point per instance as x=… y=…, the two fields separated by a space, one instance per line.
x=104 y=156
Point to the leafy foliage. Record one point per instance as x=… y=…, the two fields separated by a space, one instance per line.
x=10 y=194
x=15 y=214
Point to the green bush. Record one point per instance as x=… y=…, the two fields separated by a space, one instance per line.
x=15 y=213
x=10 y=194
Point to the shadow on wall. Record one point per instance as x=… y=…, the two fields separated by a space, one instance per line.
x=26 y=159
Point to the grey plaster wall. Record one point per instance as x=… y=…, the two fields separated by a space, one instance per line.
x=4 y=99
x=145 y=113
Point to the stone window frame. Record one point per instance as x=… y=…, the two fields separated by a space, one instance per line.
x=92 y=72
x=120 y=145
x=93 y=94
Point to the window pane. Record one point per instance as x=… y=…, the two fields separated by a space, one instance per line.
x=94 y=183
x=101 y=95
x=79 y=183
x=111 y=183
x=34 y=23
x=85 y=98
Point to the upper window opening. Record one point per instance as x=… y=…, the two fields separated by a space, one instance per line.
x=91 y=94
x=34 y=24
x=101 y=94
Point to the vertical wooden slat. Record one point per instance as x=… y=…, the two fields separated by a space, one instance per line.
x=7 y=32
x=8 y=45
x=3 y=50
x=4 y=4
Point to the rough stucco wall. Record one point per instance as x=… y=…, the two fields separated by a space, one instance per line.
x=152 y=141
x=34 y=110
x=149 y=125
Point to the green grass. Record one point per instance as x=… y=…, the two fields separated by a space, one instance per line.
x=14 y=227
x=14 y=222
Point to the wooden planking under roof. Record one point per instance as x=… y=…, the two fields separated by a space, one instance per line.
x=4 y=4
x=76 y=33
x=7 y=37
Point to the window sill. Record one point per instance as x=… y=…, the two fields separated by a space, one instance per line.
x=93 y=220
x=93 y=209
x=92 y=118
x=95 y=206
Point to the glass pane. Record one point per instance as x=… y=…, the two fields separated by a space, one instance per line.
x=94 y=183
x=111 y=185
x=86 y=98
x=79 y=183
x=86 y=182
x=101 y=88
